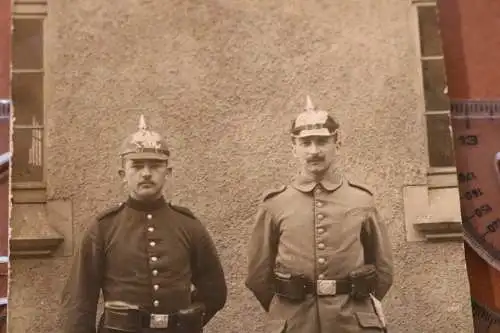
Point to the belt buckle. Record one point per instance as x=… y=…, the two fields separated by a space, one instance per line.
x=326 y=287
x=158 y=320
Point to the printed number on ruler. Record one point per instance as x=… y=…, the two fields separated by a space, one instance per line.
x=476 y=133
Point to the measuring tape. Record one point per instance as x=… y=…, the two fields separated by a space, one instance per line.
x=476 y=133
x=476 y=140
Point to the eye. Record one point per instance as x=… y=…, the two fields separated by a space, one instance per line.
x=323 y=141
x=306 y=142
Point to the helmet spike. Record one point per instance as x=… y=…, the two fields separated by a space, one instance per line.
x=309 y=104
x=142 y=123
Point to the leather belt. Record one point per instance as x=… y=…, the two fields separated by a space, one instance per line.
x=157 y=320
x=137 y=319
x=297 y=287
x=328 y=287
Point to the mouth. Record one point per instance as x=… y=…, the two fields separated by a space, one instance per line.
x=146 y=184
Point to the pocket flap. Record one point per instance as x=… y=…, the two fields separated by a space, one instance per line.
x=277 y=326
x=368 y=320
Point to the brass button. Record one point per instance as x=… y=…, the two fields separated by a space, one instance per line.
x=321 y=230
x=321 y=276
x=152 y=244
x=318 y=190
x=151 y=229
x=149 y=216
x=154 y=259
x=156 y=303
x=319 y=204
x=156 y=287
x=321 y=216
x=321 y=246
x=155 y=272
x=321 y=260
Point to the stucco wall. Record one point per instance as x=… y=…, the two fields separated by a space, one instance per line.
x=222 y=80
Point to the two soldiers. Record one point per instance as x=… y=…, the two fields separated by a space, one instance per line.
x=319 y=256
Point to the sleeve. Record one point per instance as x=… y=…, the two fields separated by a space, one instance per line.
x=378 y=251
x=262 y=252
x=80 y=295
x=208 y=276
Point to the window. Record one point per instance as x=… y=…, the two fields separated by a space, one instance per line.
x=28 y=160
x=433 y=75
x=432 y=210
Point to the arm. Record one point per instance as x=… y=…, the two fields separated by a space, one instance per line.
x=378 y=251
x=81 y=292
x=208 y=276
x=261 y=258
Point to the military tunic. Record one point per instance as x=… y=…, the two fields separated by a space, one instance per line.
x=147 y=255
x=318 y=230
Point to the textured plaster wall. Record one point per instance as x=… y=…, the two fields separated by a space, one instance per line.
x=222 y=80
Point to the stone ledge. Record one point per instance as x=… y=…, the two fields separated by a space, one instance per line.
x=432 y=214
x=41 y=229
x=30 y=7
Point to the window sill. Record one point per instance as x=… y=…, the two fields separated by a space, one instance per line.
x=41 y=229
x=442 y=177
x=30 y=7
x=34 y=192
x=432 y=211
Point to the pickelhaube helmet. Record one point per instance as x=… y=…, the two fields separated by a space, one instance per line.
x=313 y=122
x=145 y=144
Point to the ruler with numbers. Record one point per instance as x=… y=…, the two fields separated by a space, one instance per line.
x=476 y=133
x=476 y=140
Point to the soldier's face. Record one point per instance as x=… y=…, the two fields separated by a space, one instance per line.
x=145 y=178
x=315 y=153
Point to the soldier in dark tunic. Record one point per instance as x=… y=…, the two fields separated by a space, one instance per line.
x=320 y=259
x=155 y=263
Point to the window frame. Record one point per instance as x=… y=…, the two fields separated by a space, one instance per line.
x=33 y=191
x=437 y=177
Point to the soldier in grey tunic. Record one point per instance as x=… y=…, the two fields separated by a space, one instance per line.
x=320 y=259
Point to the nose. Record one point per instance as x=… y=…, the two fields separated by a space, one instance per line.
x=313 y=148
x=146 y=171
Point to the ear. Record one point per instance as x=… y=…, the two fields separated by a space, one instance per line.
x=169 y=171
x=121 y=173
x=294 y=147
x=338 y=140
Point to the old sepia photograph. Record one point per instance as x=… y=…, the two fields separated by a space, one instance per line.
x=233 y=166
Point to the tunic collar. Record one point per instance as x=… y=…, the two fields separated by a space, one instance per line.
x=331 y=181
x=146 y=205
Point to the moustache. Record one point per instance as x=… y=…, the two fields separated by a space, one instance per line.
x=316 y=159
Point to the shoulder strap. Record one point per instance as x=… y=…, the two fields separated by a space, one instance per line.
x=362 y=187
x=183 y=210
x=273 y=192
x=110 y=211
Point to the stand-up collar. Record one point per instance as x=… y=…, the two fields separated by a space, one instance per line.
x=146 y=205
x=305 y=183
